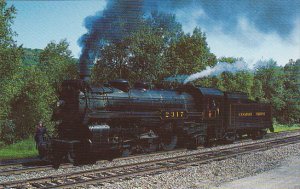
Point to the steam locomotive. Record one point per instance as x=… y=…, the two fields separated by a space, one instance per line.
x=116 y=119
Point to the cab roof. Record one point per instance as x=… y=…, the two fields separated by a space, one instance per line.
x=210 y=91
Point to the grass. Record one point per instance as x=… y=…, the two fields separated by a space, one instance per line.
x=280 y=127
x=22 y=149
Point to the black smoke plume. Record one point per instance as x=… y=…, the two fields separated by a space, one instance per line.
x=116 y=21
x=121 y=17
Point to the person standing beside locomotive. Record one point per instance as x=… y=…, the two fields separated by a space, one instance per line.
x=40 y=132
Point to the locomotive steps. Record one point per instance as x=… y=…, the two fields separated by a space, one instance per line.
x=153 y=167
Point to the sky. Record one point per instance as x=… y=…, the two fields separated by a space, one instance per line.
x=39 y=22
x=252 y=29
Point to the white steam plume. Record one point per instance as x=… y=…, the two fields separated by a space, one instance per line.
x=218 y=69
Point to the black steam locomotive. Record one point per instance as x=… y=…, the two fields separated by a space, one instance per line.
x=115 y=119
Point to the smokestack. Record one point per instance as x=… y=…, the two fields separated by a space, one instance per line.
x=85 y=67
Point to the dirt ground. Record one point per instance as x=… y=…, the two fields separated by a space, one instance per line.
x=286 y=176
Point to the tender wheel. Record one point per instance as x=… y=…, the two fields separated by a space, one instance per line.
x=208 y=143
x=193 y=145
x=230 y=138
x=195 y=142
x=258 y=135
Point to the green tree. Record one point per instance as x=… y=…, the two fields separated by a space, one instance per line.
x=166 y=26
x=230 y=59
x=140 y=55
x=10 y=61
x=157 y=49
x=212 y=82
x=272 y=79
x=28 y=85
x=7 y=14
x=241 y=81
x=257 y=90
x=292 y=74
x=40 y=87
x=190 y=54
x=34 y=102
x=147 y=56
x=57 y=63
x=112 y=64
x=292 y=91
x=137 y=57
x=31 y=56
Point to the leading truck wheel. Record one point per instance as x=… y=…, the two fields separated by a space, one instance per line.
x=76 y=158
x=57 y=159
x=71 y=157
x=80 y=154
x=42 y=151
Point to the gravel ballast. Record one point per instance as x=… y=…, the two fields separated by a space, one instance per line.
x=215 y=173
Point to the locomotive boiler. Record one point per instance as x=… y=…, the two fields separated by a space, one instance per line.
x=116 y=119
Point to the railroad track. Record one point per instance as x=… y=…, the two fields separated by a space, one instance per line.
x=33 y=165
x=102 y=175
x=20 y=168
x=29 y=166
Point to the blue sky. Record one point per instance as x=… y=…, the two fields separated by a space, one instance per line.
x=39 y=22
x=266 y=29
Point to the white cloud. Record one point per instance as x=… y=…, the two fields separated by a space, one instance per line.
x=254 y=45
x=189 y=17
x=247 y=41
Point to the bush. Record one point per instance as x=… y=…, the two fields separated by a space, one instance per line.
x=7 y=130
